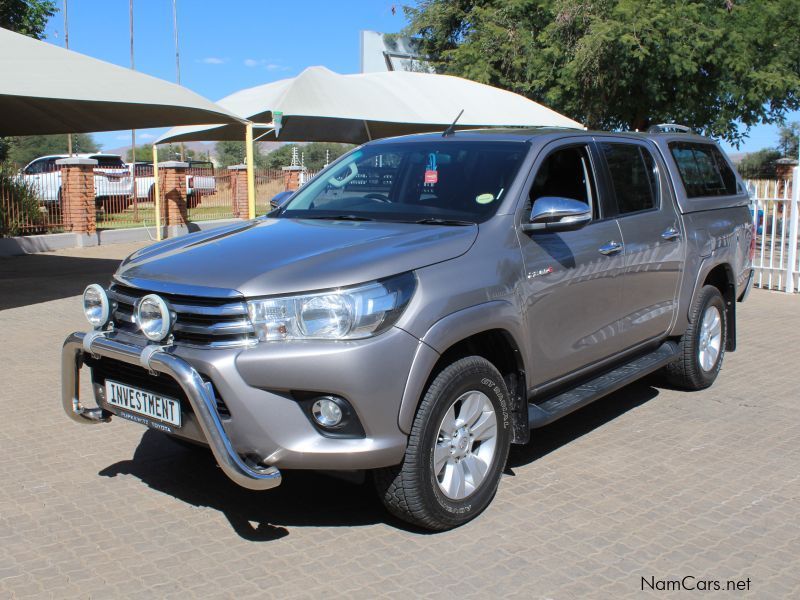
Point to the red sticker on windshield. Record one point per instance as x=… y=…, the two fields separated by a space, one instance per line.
x=431 y=176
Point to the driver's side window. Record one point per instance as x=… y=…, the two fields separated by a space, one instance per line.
x=566 y=173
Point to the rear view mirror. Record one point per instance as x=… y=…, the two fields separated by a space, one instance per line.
x=554 y=213
x=280 y=199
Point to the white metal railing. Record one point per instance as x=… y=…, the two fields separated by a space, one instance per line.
x=775 y=218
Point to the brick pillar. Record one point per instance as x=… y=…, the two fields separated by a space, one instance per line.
x=291 y=178
x=173 y=203
x=239 y=191
x=77 y=194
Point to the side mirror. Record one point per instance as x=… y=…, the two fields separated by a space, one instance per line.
x=554 y=213
x=280 y=199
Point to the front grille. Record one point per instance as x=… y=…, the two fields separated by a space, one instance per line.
x=135 y=376
x=207 y=322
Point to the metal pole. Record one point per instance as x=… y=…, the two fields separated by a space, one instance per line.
x=66 y=45
x=177 y=58
x=157 y=193
x=133 y=131
x=251 y=176
x=794 y=216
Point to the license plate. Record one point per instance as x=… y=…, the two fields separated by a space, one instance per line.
x=143 y=403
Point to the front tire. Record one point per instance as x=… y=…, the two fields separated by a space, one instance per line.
x=702 y=347
x=456 y=451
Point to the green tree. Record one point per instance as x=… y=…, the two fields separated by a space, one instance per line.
x=232 y=153
x=28 y=17
x=789 y=140
x=281 y=157
x=24 y=149
x=144 y=153
x=314 y=154
x=760 y=164
x=717 y=66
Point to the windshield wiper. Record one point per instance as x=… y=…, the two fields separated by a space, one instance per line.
x=437 y=221
x=339 y=217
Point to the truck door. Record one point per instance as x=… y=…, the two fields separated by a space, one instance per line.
x=573 y=286
x=651 y=232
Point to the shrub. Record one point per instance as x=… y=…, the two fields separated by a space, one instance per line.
x=19 y=206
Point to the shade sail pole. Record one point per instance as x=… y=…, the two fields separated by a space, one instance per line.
x=369 y=133
x=251 y=177
x=156 y=193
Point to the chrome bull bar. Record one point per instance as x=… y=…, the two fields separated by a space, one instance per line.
x=244 y=472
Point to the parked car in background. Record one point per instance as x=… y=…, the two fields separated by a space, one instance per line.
x=417 y=318
x=200 y=181
x=111 y=177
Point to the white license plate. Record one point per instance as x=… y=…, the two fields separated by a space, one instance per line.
x=144 y=403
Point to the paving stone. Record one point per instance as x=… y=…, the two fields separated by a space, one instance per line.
x=647 y=482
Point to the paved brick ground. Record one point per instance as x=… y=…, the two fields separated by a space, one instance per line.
x=649 y=482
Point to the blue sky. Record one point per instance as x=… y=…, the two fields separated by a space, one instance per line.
x=227 y=46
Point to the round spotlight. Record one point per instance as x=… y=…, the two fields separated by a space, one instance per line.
x=327 y=412
x=154 y=317
x=96 y=306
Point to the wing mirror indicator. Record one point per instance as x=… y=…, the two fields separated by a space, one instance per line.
x=554 y=213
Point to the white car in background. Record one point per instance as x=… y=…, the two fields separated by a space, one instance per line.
x=111 y=177
x=200 y=181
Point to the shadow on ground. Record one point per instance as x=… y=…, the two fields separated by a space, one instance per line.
x=38 y=278
x=312 y=499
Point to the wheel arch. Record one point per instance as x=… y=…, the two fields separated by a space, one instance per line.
x=721 y=277
x=492 y=331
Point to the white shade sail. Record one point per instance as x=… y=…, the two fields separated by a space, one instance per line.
x=47 y=89
x=320 y=105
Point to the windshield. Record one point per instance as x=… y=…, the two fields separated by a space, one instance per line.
x=109 y=162
x=417 y=181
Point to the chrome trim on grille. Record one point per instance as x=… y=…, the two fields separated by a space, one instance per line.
x=202 y=321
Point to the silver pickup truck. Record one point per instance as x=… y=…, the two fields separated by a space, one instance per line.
x=423 y=303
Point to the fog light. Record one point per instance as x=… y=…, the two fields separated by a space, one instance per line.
x=326 y=411
x=96 y=306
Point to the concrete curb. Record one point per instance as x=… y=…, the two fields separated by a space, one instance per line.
x=32 y=244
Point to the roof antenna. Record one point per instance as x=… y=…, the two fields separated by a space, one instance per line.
x=452 y=129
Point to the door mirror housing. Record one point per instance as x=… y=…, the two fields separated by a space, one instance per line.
x=554 y=213
x=280 y=199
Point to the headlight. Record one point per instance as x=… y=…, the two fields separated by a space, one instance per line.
x=153 y=317
x=344 y=314
x=95 y=305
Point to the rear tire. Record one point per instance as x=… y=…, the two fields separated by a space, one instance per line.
x=702 y=347
x=456 y=451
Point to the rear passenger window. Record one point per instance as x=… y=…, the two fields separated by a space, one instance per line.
x=633 y=176
x=704 y=171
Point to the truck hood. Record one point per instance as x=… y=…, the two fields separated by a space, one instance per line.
x=284 y=256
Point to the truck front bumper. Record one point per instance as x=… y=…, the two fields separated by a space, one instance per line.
x=246 y=472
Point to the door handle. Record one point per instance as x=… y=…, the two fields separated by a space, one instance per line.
x=610 y=248
x=671 y=234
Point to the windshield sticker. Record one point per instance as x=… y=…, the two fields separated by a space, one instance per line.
x=484 y=198
x=431 y=174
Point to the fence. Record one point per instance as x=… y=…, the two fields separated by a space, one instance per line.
x=775 y=219
x=30 y=203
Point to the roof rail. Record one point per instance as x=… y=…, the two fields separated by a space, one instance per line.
x=669 y=128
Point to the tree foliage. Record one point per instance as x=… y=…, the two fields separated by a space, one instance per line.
x=23 y=149
x=28 y=17
x=789 y=140
x=313 y=155
x=760 y=164
x=626 y=64
x=144 y=153
x=233 y=153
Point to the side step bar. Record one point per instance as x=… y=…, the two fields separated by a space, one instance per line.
x=558 y=406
